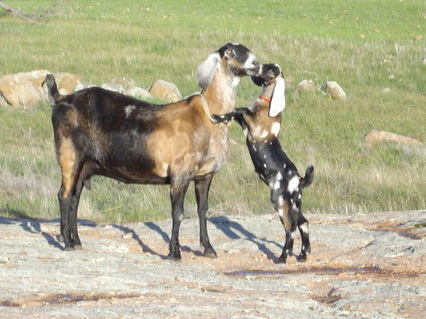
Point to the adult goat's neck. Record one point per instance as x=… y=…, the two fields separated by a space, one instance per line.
x=222 y=91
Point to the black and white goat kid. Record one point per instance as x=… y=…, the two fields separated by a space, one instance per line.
x=261 y=125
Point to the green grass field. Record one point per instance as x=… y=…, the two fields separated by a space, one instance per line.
x=365 y=46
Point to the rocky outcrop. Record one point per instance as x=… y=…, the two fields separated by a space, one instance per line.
x=164 y=90
x=26 y=90
x=113 y=87
x=361 y=266
x=22 y=89
x=139 y=93
x=66 y=82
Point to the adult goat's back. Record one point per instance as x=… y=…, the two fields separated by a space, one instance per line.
x=100 y=132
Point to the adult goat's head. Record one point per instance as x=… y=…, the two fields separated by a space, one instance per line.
x=239 y=60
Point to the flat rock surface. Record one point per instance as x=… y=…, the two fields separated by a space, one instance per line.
x=362 y=266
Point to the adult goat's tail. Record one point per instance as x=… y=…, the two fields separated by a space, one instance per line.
x=52 y=89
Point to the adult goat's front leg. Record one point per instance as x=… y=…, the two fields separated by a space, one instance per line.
x=178 y=188
x=202 y=187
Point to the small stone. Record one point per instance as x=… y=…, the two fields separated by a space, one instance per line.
x=306 y=86
x=127 y=236
x=336 y=91
x=377 y=137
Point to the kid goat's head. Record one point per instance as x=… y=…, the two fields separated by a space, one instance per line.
x=271 y=78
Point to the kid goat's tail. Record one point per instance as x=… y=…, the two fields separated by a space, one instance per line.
x=309 y=177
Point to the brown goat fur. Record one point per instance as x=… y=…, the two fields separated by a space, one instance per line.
x=100 y=132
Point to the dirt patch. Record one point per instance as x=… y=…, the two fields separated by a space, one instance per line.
x=363 y=266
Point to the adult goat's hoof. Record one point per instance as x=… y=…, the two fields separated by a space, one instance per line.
x=173 y=258
x=282 y=260
x=210 y=252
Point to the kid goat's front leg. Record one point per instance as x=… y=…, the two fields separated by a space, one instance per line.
x=236 y=115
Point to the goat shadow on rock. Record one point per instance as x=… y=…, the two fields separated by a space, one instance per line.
x=32 y=225
x=156 y=228
x=145 y=248
x=231 y=229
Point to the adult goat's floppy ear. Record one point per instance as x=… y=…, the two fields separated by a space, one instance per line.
x=207 y=69
x=278 y=98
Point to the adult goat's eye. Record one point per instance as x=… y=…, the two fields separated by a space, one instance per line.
x=229 y=54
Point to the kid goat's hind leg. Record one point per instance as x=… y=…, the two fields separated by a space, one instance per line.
x=283 y=208
x=303 y=226
x=302 y=222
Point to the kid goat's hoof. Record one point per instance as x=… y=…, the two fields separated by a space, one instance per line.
x=301 y=258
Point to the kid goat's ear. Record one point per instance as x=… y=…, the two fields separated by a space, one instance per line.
x=278 y=98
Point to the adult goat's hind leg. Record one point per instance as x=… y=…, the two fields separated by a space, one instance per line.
x=68 y=206
x=86 y=172
x=73 y=217
x=67 y=159
x=178 y=188
x=65 y=203
x=202 y=188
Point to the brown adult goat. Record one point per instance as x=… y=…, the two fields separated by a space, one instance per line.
x=100 y=132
